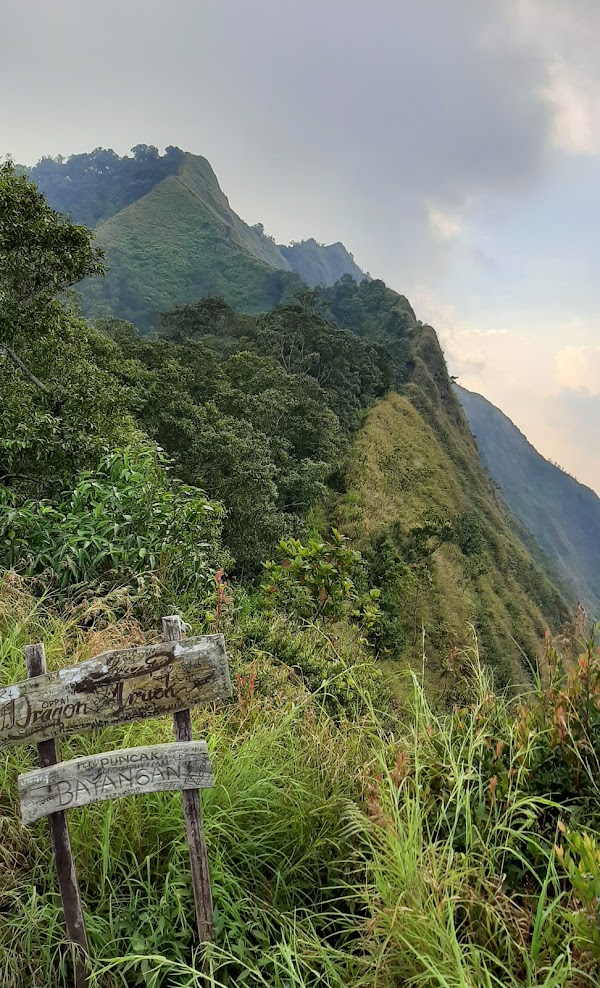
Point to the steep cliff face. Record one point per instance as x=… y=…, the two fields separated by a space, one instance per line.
x=562 y=514
x=442 y=546
x=317 y=264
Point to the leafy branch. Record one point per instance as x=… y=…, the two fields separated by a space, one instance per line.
x=25 y=369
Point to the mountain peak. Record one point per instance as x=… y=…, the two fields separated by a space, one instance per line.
x=171 y=236
x=318 y=264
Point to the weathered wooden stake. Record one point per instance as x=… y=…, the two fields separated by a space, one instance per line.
x=192 y=813
x=35 y=660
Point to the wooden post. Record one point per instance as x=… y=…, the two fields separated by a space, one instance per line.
x=35 y=660
x=171 y=627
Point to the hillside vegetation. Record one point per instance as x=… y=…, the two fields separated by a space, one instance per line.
x=92 y=186
x=383 y=813
x=443 y=559
x=171 y=237
x=562 y=514
x=179 y=242
x=342 y=852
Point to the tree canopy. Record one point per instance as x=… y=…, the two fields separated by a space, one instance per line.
x=58 y=407
x=92 y=186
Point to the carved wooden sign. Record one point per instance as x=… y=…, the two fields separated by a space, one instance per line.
x=124 y=772
x=113 y=688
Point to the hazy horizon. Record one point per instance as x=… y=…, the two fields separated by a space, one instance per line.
x=453 y=148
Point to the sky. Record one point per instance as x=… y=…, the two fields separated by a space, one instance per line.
x=452 y=145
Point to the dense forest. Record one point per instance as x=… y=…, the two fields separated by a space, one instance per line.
x=92 y=186
x=406 y=778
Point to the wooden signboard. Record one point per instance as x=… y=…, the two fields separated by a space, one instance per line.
x=125 y=772
x=115 y=688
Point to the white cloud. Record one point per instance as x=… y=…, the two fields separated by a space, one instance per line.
x=578 y=367
x=564 y=35
x=575 y=116
x=442 y=223
x=548 y=391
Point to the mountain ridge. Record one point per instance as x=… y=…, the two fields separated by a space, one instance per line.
x=171 y=236
x=321 y=264
x=181 y=241
x=562 y=514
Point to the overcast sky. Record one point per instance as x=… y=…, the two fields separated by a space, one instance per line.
x=452 y=145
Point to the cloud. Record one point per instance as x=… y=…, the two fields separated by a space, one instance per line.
x=575 y=118
x=539 y=388
x=443 y=224
x=420 y=92
x=578 y=368
x=565 y=37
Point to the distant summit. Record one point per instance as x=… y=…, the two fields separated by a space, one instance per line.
x=317 y=264
x=562 y=514
x=171 y=236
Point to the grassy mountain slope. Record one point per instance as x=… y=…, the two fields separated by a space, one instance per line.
x=415 y=464
x=94 y=185
x=320 y=265
x=171 y=236
x=400 y=478
x=184 y=233
x=357 y=835
x=563 y=514
x=180 y=242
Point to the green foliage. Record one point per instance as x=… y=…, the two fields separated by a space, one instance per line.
x=467 y=886
x=180 y=242
x=355 y=838
x=41 y=255
x=58 y=409
x=340 y=854
x=314 y=581
x=375 y=312
x=412 y=513
x=566 y=715
x=402 y=564
x=126 y=523
x=92 y=186
x=469 y=534
x=257 y=411
x=171 y=236
x=332 y=660
x=580 y=858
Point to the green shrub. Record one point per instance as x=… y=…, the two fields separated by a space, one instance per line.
x=127 y=523
x=333 y=661
x=316 y=581
x=581 y=861
x=565 y=716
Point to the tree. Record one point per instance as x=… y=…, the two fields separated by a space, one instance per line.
x=57 y=408
x=41 y=255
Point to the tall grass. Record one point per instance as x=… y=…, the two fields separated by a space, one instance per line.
x=465 y=890
x=342 y=854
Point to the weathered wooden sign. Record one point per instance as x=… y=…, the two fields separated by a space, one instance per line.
x=125 y=772
x=114 y=688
